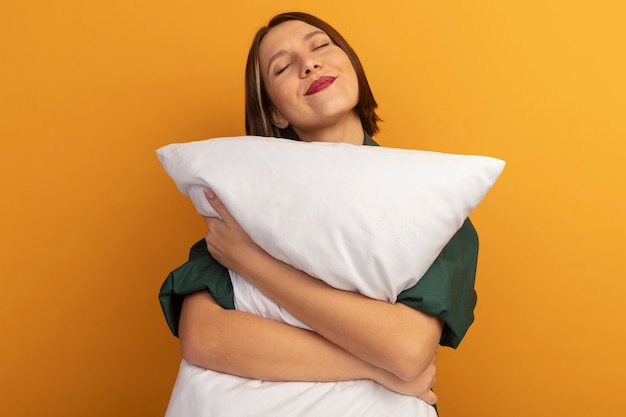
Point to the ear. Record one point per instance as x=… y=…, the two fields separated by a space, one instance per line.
x=278 y=119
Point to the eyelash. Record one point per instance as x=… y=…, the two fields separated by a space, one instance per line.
x=280 y=71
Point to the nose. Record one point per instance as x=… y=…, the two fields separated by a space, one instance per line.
x=309 y=66
x=308 y=70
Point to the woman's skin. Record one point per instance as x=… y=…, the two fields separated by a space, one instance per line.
x=313 y=88
x=293 y=55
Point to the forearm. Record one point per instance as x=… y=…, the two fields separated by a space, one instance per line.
x=243 y=344
x=393 y=337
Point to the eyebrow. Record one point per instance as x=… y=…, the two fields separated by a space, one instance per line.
x=282 y=51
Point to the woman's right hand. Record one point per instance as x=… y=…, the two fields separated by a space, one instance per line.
x=345 y=318
x=226 y=240
x=215 y=338
x=421 y=387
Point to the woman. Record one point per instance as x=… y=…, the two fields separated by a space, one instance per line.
x=303 y=81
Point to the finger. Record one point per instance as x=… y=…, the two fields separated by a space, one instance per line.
x=432 y=398
x=218 y=206
x=212 y=220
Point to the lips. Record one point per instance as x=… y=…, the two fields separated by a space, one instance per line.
x=320 y=84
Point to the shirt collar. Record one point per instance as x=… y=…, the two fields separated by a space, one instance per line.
x=367 y=140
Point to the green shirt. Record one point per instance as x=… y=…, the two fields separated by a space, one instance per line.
x=446 y=290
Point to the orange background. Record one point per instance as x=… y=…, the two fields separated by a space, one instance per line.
x=91 y=225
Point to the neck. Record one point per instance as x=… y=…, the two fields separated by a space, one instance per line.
x=348 y=130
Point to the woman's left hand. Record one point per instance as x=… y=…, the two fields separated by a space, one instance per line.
x=374 y=331
x=227 y=242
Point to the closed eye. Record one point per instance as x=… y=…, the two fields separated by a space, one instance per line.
x=281 y=70
x=321 y=46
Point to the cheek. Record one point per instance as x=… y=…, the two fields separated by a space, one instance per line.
x=349 y=71
x=353 y=81
x=274 y=92
x=282 y=93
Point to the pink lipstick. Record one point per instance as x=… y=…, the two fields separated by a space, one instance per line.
x=320 y=84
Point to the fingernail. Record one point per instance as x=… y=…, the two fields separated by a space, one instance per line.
x=209 y=193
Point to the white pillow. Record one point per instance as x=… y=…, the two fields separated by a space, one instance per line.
x=362 y=218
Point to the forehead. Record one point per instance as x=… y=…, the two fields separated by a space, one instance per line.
x=283 y=36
